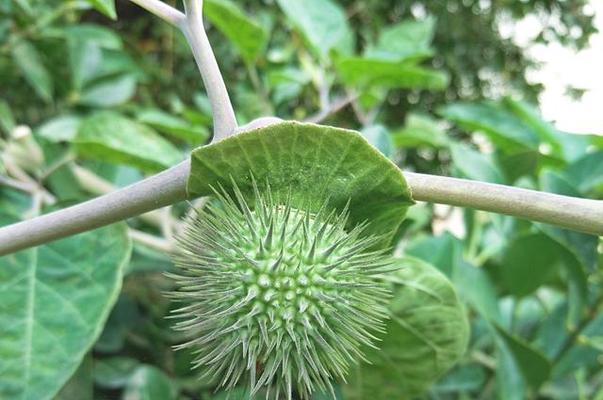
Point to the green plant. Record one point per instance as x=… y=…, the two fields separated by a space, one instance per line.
x=327 y=167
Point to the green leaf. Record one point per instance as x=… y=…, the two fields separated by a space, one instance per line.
x=503 y=128
x=60 y=129
x=323 y=24
x=475 y=287
x=111 y=137
x=462 y=379
x=55 y=299
x=109 y=92
x=248 y=36
x=528 y=262
x=379 y=136
x=369 y=72
x=475 y=165
x=7 y=119
x=534 y=366
x=587 y=173
x=428 y=332
x=420 y=130
x=80 y=386
x=149 y=383
x=407 y=40
x=102 y=36
x=28 y=60
x=106 y=7
x=114 y=372
x=444 y=252
x=173 y=125
x=314 y=162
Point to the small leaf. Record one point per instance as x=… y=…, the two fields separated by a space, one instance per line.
x=379 y=136
x=149 y=383
x=587 y=173
x=420 y=130
x=109 y=92
x=55 y=300
x=323 y=23
x=111 y=137
x=60 y=129
x=247 y=35
x=114 y=372
x=28 y=59
x=173 y=125
x=106 y=7
x=389 y=74
x=475 y=165
x=427 y=334
x=407 y=40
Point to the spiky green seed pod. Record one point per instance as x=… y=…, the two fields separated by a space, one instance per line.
x=277 y=297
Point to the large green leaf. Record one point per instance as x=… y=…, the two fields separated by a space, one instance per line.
x=248 y=36
x=27 y=57
x=475 y=165
x=315 y=163
x=53 y=304
x=427 y=333
x=111 y=137
x=389 y=74
x=323 y=23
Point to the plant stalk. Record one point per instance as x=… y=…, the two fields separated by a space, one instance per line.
x=168 y=187
x=191 y=25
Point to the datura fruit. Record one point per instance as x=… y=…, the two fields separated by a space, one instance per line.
x=284 y=278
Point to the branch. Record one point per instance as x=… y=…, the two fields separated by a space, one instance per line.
x=167 y=13
x=155 y=192
x=573 y=213
x=170 y=186
x=191 y=24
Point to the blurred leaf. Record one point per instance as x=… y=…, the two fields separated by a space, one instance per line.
x=587 y=173
x=149 y=383
x=475 y=165
x=528 y=262
x=123 y=317
x=173 y=125
x=28 y=59
x=420 y=130
x=323 y=24
x=248 y=36
x=114 y=372
x=85 y=57
x=581 y=355
x=517 y=165
x=234 y=394
x=534 y=366
x=502 y=127
x=7 y=119
x=444 y=251
x=102 y=36
x=389 y=74
x=379 y=136
x=109 y=92
x=426 y=335
x=111 y=137
x=461 y=379
x=407 y=40
x=55 y=300
x=80 y=386
x=475 y=287
x=60 y=129
x=106 y=7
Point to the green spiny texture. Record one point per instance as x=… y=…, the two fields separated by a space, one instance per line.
x=278 y=298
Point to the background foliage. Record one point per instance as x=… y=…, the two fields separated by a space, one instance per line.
x=89 y=102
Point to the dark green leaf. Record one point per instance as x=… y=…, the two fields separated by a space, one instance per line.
x=107 y=7
x=114 y=372
x=149 y=383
